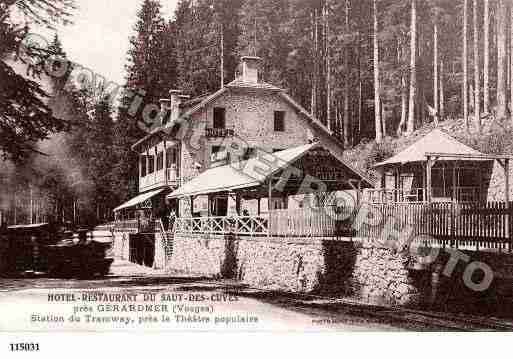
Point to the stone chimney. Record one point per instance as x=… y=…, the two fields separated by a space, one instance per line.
x=176 y=99
x=250 y=66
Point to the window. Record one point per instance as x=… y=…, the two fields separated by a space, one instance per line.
x=250 y=153
x=166 y=116
x=142 y=160
x=219 y=117
x=218 y=153
x=279 y=121
x=171 y=157
x=151 y=164
x=160 y=161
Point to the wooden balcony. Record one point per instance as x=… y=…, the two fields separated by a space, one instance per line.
x=164 y=177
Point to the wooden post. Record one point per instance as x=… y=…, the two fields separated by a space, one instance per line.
x=269 y=197
x=269 y=208
x=258 y=205
x=396 y=185
x=359 y=195
x=424 y=185
x=506 y=180
x=164 y=165
x=454 y=193
x=237 y=203
x=428 y=179
x=506 y=198
x=31 y=205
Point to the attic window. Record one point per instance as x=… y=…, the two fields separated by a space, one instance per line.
x=219 y=117
x=279 y=121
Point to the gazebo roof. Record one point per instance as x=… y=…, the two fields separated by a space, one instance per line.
x=435 y=141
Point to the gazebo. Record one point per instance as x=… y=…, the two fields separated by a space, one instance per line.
x=437 y=168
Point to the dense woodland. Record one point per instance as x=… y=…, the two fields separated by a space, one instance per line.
x=373 y=71
x=368 y=69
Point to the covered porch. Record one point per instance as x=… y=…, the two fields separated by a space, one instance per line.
x=437 y=168
x=138 y=215
x=304 y=191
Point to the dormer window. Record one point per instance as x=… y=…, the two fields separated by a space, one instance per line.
x=219 y=117
x=279 y=121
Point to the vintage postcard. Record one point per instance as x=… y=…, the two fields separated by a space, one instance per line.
x=241 y=166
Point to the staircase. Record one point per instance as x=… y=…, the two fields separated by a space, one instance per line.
x=163 y=245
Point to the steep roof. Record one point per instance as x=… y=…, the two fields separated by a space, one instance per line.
x=435 y=141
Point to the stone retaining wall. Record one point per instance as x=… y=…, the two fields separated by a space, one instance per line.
x=341 y=268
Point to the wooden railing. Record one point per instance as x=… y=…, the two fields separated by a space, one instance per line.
x=321 y=222
x=135 y=226
x=243 y=225
x=311 y=222
x=385 y=195
x=487 y=225
x=163 y=177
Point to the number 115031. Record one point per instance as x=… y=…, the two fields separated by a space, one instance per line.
x=24 y=347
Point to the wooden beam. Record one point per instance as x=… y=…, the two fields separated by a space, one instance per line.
x=466 y=156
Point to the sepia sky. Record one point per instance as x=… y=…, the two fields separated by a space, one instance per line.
x=98 y=39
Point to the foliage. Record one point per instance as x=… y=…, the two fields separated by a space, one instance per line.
x=25 y=117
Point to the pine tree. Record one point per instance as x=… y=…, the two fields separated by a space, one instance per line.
x=502 y=24
x=410 y=126
x=151 y=73
x=377 y=100
x=25 y=117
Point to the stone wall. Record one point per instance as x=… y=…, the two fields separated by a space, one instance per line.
x=340 y=268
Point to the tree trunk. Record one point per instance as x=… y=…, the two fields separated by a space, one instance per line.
x=413 y=70
x=435 y=71
x=346 y=85
x=511 y=62
x=404 y=90
x=360 y=88
x=328 y=65
x=442 y=95
x=465 y=63
x=477 y=113
x=404 y=105
x=313 y=104
x=377 y=101
x=502 y=23
x=486 y=66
